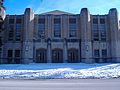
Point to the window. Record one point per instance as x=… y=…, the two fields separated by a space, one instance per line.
x=57 y=20
x=1 y=43
x=10 y=35
x=10 y=56
x=41 y=56
x=96 y=35
x=72 y=27
x=11 y=32
x=57 y=27
x=102 y=20
x=18 y=21
x=41 y=21
x=57 y=30
x=41 y=30
x=103 y=36
x=11 y=21
x=57 y=56
x=17 y=53
x=95 y=27
x=18 y=32
x=18 y=26
x=1 y=25
x=10 y=53
x=72 y=56
x=102 y=27
x=96 y=53
x=72 y=20
x=18 y=36
x=95 y=20
x=104 y=53
x=17 y=57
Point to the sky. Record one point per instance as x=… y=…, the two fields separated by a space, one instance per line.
x=72 y=6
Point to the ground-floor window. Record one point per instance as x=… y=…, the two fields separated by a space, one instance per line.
x=104 y=55
x=17 y=57
x=57 y=56
x=10 y=56
x=41 y=56
x=72 y=55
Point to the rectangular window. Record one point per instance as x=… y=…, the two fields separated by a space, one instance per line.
x=18 y=27
x=96 y=35
x=18 y=32
x=72 y=27
x=57 y=27
x=18 y=21
x=41 y=21
x=11 y=21
x=17 y=53
x=11 y=32
x=10 y=53
x=102 y=20
x=103 y=36
x=1 y=25
x=41 y=30
x=10 y=35
x=96 y=53
x=1 y=42
x=95 y=27
x=102 y=27
x=104 y=53
x=18 y=36
x=57 y=20
x=95 y=20
x=72 y=20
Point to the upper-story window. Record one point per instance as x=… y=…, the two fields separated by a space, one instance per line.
x=18 y=26
x=102 y=30
x=102 y=20
x=11 y=21
x=18 y=32
x=41 y=27
x=96 y=53
x=11 y=32
x=57 y=27
x=18 y=21
x=95 y=20
x=41 y=21
x=95 y=31
x=72 y=27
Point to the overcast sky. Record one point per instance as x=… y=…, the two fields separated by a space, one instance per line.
x=72 y=6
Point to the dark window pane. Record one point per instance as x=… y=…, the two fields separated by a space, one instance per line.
x=57 y=20
x=19 y=21
x=104 y=53
x=96 y=53
x=72 y=20
x=41 y=20
x=10 y=35
x=95 y=20
x=17 y=53
x=11 y=21
x=95 y=35
x=57 y=30
x=103 y=36
x=102 y=21
x=10 y=53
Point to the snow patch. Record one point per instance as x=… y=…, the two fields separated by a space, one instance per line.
x=53 y=71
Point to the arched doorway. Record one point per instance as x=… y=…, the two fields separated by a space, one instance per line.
x=41 y=56
x=57 y=56
x=73 y=55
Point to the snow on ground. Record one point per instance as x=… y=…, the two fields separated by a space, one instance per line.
x=53 y=71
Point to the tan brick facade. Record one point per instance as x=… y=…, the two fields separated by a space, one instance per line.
x=61 y=37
